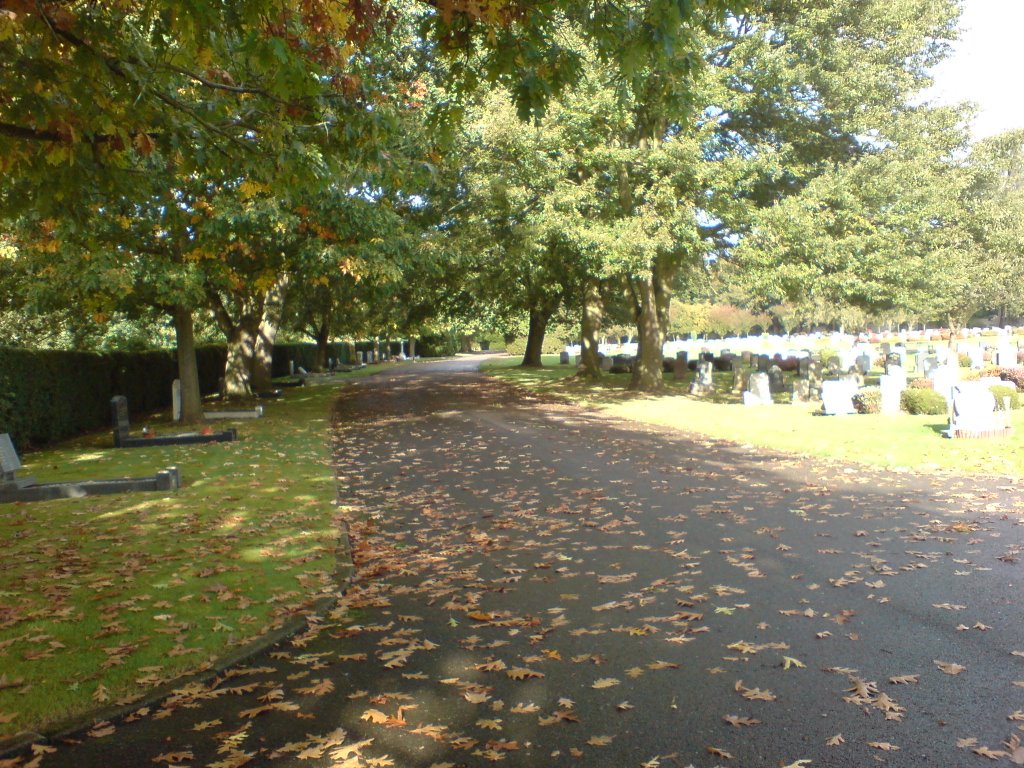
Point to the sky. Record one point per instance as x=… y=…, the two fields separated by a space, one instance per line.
x=986 y=66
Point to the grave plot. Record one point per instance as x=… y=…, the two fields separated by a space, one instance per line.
x=124 y=439
x=13 y=488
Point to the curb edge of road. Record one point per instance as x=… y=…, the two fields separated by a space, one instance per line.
x=344 y=573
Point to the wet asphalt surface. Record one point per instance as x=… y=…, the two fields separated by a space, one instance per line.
x=540 y=586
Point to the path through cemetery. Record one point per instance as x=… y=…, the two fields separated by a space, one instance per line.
x=540 y=586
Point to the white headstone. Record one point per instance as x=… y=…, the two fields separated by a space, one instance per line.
x=176 y=399
x=892 y=386
x=758 y=390
x=837 y=397
x=944 y=378
x=974 y=411
x=1006 y=355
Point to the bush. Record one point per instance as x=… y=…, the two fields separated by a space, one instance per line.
x=1013 y=375
x=921 y=383
x=923 y=402
x=1000 y=391
x=965 y=360
x=868 y=400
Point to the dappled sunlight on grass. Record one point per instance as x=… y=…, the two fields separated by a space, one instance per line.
x=127 y=591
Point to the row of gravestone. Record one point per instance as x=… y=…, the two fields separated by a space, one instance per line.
x=24 y=489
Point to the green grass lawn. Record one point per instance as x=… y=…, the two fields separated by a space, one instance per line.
x=104 y=597
x=897 y=442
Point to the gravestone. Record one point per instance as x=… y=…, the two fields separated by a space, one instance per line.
x=680 y=370
x=974 y=412
x=738 y=377
x=886 y=347
x=976 y=355
x=837 y=397
x=563 y=358
x=892 y=386
x=703 y=381
x=621 y=364
x=747 y=355
x=776 y=381
x=606 y=363
x=901 y=350
x=1006 y=356
x=863 y=363
x=801 y=391
x=833 y=366
x=944 y=379
x=683 y=355
x=803 y=367
x=10 y=463
x=123 y=438
x=758 y=390
x=15 y=489
x=763 y=363
x=176 y=399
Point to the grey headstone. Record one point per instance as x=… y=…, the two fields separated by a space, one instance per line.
x=801 y=391
x=176 y=399
x=563 y=358
x=680 y=370
x=804 y=367
x=776 y=380
x=863 y=363
x=119 y=412
x=703 y=382
x=763 y=363
x=9 y=461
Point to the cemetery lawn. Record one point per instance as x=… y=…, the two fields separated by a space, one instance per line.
x=104 y=597
x=899 y=443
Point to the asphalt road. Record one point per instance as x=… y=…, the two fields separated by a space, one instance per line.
x=539 y=586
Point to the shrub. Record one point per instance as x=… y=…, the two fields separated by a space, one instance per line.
x=923 y=401
x=921 y=383
x=982 y=373
x=1013 y=375
x=1000 y=391
x=965 y=360
x=868 y=400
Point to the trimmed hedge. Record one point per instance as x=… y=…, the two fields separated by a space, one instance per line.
x=999 y=391
x=48 y=395
x=923 y=401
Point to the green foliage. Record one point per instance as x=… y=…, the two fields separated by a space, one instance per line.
x=868 y=400
x=923 y=402
x=1000 y=391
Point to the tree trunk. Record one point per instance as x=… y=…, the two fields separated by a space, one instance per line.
x=589 y=326
x=647 y=373
x=188 y=370
x=238 y=368
x=322 y=338
x=535 y=338
x=270 y=322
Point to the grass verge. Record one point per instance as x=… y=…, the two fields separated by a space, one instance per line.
x=896 y=442
x=105 y=597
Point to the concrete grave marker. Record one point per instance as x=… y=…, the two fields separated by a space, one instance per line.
x=837 y=397
x=974 y=412
x=758 y=390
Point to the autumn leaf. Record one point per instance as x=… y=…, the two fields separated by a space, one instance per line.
x=599 y=741
x=718 y=753
x=738 y=721
x=904 y=679
x=522 y=673
x=754 y=694
x=991 y=754
x=883 y=745
x=789 y=661
x=605 y=682
x=174 y=757
x=835 y=741
x=950 y=668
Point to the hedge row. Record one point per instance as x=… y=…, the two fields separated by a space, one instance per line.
x=48 y=395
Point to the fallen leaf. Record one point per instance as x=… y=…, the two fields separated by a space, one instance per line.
x=605 y=682
x=835 y=741
x=883 y=745
x=949 y=667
